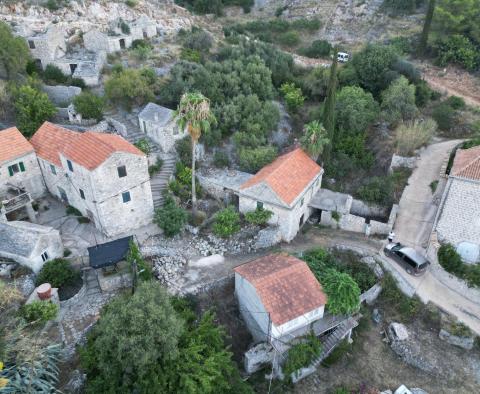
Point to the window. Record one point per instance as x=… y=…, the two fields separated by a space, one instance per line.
x=14 y=168
x=82 y=194
x=70 y=165
x=53 y=169
x=31 y=44
x=126 y=197
x=259 y=205
x=122 y=171
x=44 y=256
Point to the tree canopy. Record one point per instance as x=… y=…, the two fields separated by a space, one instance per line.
x=14 y=52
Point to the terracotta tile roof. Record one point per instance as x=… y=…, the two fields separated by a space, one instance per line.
x=89 y=149
x=287 y=176
x=13 y=144
x=285 y=285
x=467 y=163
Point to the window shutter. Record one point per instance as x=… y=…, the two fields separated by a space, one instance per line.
x=10 y=170
x=22 y=166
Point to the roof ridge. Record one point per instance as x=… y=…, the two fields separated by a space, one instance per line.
x=474 y=161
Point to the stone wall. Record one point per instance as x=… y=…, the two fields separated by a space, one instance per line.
x=61 y=94
x=109 y=283
x=361 y=208
x=402 y=162
x=459 y=215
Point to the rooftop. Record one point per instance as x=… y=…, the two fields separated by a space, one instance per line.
x=285 y=285
x=156 y=113
x=20 y=238
x=467 y=164
x=89 y=149
x=328 y=200
x=287 y=176
x=13 y=145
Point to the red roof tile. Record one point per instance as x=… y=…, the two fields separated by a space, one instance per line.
x=285 y=285
x=287 y=176
x=89 y=149
x=13 y=145
x=467 y=163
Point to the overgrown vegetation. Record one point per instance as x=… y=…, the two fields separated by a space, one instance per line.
x=227 y=222
x=170 y=218
x=89 y=105
x=135 y=256
x=411 y=136
x=168 y=349
x=213 y=6
x=302 y=354
x=451 y=261
x=40 y=311
x=260 y=216
x=58 y=272
x=408 y=308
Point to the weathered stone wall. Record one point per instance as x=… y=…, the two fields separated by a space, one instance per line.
x=360 y=208
x=402 y=162
x=109 y=283
x=30 y=179
x=165 y=136
x=61 y=94
x=459 y=216
x=352 y=223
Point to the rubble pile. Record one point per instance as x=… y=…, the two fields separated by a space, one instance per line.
x=167 y=269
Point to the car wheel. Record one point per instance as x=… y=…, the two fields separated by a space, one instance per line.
x=409 y=271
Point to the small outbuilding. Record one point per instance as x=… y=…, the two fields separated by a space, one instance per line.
x=29 y=244
x=278 y=296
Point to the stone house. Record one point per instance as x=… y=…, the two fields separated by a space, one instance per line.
x=278 y=296
x=102 y=175
x=159 y=124
x=18 y=164
x=83 y=64
x=48 y=46
x=286 y=188
x=458 y=217
x=29 y=244
x=143 y=28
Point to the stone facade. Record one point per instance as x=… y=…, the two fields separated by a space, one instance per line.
x=288 y=219
x=29 y=244
x=459 y=213
x=61 y=94
x=102 y=189
x=48 y=46
x=28 y=176
x=159 y=124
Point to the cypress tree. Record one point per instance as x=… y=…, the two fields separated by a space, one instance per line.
x=329 y=107
x=422 y=46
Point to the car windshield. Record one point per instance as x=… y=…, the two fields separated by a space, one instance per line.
x=396 y=248
x=422 y=266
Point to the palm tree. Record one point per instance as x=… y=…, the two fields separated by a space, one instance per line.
x=314 y=139
x=193 y=113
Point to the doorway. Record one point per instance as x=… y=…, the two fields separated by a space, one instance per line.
x=63 y=195
x=73 y=67
x=302 y=218
x=122 y=43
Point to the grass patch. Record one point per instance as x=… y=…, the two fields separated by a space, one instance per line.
x=433 y=186
x=407 y=308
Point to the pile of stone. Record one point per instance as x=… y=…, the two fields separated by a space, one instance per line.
x=168 y=269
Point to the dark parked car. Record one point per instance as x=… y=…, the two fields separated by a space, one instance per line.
x=413 y=262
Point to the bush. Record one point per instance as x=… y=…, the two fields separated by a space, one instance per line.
x=78 y=82
x=52 y=74
x=40 y=311
x=130 y=86
x=423 y=94
x=143 y=269
x=184 y=150
x=253 y=159
x=260 y=216
x=198 y=40
x=293 y=96
x=457 y=49
x=155 y=168
x=456 y=102
x=411 y=136
x=444 y=115
x=170 y=218
x=317 y=49
x=71 y=210
x=220 y=159
x=340 y=350
x=89 y=105
x=57 y=272
x=289 y=38
x=342 y=291
x=376 y=190
x=407 y=307
x=143 y=145
x=398 y=101
x=131 y=3
x=398 y=7
x=191 y=55
x=302 y=354
x=227 y=222
x=449 y=259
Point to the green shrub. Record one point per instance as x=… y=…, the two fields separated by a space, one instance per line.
x=398 y=7
x=220 y=159
x=293 y=96
x=423 y=94
x=302 y=354
x=455 y=102
x=227 y=222
x=458 y=49
x=41 y=311
x=343 y=293
x=340 y=350
x=89 y=105
x=130 y=86
x=143 y=145
x=52 y=74
x=131 y=3
x=260 y=216
x=191 y=55
x=72 y=211
x=198 y=40
x=317 y=49
x=155 y=168
x=398 y=101
x=79 y=82
x=376 y=190
x=253 y=159
x=144 y=270
x=449 y=259
x=407 y=307
x=413 y=135
x=289 y=38
x=444 y=115
x=170 y=218
x=57 y=272
x=142 y=52
x=184 y=150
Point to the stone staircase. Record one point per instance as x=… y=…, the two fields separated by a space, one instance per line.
x=159 y=181
x=130 y=129
x=92 y=287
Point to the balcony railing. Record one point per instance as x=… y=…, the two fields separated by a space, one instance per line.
x=16 y=202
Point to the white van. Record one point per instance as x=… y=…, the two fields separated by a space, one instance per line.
x=343 y=57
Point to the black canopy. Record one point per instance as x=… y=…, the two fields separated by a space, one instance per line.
x=109 y=253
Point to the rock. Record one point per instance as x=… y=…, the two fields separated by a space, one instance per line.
x=76 y=382
x=398 y=332
x=6 y=269
x=463 y=342
x=376 y=316
x=268 y=237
